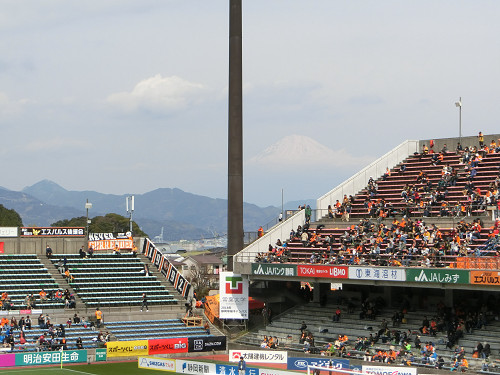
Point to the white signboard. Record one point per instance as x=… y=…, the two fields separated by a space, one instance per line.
x=194 y=368
x=233 y=296
x=162 y=364
x=384 y=370
x=259 y=356
x=8 y=231
x=268 y=371
x=377 y=273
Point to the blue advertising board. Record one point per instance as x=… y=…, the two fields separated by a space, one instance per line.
x=301 y=363
x=233 y=370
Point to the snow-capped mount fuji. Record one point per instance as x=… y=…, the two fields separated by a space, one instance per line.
x=296 y=150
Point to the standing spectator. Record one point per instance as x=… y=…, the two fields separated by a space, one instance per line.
x=41 y=321
x=48 y=252
x=10 y=340
x=336 y=317
x=144 y=302
x=308 y=213
x=303 y=327
x=98 y=317
x=265 y=315
x=242 y=366
x=260 y=232
x=480 y=138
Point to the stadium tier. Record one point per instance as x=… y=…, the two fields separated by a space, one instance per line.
x=22 y=278
x=112 y=280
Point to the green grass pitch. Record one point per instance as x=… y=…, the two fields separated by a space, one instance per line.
x=122 y=368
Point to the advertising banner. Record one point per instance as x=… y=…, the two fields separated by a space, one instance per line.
x=100 y=355
x=385 y=370
x=164 y=346
x=127 y=348
x=270 y=371
x=446 y=276
x=51 y=358
x=258 y=356
x=8 y=231
x=485 y=277
x=195 y=368
x=377 y=273
x=233 y=296
x=7 y=360
x=233 y=370
x=331 y=272
x=301 y=363
x=271 y=269
x=52 y=232
x=162 y=364
x=1 y=248
x=206 y=343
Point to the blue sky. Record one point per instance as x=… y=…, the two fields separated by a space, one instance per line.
x=128 y=96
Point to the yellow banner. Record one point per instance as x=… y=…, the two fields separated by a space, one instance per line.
x=127 y=348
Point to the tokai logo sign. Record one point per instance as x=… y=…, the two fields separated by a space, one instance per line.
x=332 y=272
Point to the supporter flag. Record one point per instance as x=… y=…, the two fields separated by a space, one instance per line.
x=166 y=268
x=1 y=247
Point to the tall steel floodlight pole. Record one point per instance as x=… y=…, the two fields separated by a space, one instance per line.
x=459 y=105
x=130 y=208
x=235 y=136
x=87 y=207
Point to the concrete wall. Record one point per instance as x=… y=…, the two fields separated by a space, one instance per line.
x=22 y=245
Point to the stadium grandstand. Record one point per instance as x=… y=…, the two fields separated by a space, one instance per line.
x=397 y=265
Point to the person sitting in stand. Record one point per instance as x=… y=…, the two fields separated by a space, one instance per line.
x=79 y=343
x=264 y=342
x=43 y=295
x=68 y=276
x=116 y=250
x=58 y=296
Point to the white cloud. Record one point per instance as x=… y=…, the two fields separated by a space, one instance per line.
x=55 y=144
x=9 y=107
x=157 y=93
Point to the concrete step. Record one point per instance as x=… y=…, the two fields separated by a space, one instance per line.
x=61 y=281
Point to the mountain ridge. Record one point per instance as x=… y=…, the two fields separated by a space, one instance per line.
x=183 y=215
